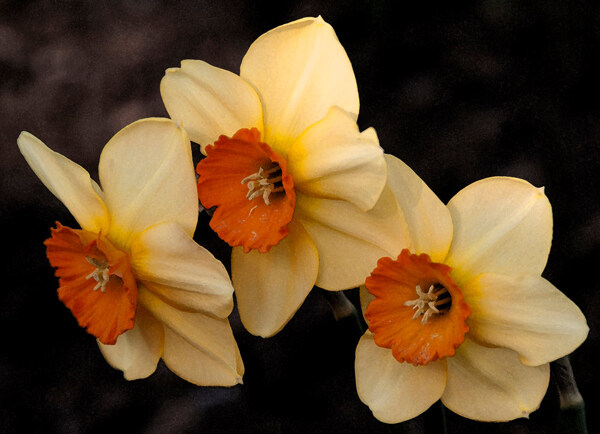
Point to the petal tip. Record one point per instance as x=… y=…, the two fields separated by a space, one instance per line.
x=25 y=139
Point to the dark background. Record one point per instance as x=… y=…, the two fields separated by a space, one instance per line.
x=458 y=92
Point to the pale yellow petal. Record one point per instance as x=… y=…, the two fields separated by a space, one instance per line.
x=394 y=391
x=199 y=367
x=199 y=348
x=209 y=101
x=138 y=350
x=171 y=265
x=333 y=159
x=429 y=221
x=501 y=225
x=492 y=385
x=525 y=313
x=351 y=241
x=148 y=177
x=270 y=287
x=300 y=70
x=68 y=181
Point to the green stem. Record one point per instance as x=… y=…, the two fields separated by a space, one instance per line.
x=572 y=407
x=444 y=420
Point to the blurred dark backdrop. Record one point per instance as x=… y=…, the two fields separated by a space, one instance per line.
x=458 y=92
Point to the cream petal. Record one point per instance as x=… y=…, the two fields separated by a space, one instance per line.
x=525 y=313
x=68 y=181
x=350 y=241
x=199 y=367
x=179 y=271
x=270 y=287
x=199 y=348
x=333 y=159
x=429 y=221
x=209 y=101
x=492 y=385
x=148 y=177
x=138 y=350
x=300 y=70
x=501 y=225
x=394 y=391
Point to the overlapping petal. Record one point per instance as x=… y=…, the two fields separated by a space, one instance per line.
x=199 y=367
x=350 y=241
x=525 y=313
x=394 y=391
x=501 y=225
x=428 y=219
x=333 y=159
x=271 y=287
x=209 y=101
x=199 y=348
x=138 y=350
x=491 y=384
x=161 y=186
x=68 y=181
x=299 y=71
x=180 y=272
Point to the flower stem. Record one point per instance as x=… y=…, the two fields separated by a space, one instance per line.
x=344 y=311
x=572 y=407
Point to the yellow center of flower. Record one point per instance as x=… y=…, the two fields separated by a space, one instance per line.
x=400 y=301
x=250 y=187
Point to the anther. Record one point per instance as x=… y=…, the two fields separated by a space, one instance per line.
x=100 y=274
x=427 y=303
x=262 y=183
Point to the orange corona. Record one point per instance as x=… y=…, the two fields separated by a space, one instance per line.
x=95 y=281
x=250 y=187
x=418 y=310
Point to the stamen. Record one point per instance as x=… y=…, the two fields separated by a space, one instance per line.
x=100 y=274
x=426 y=304
x=262 y=183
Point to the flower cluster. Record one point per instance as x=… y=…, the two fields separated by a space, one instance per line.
x=452 y=294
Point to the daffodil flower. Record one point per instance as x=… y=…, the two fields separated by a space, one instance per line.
x=298 y=189
x=463 y=314
x=132 y=275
